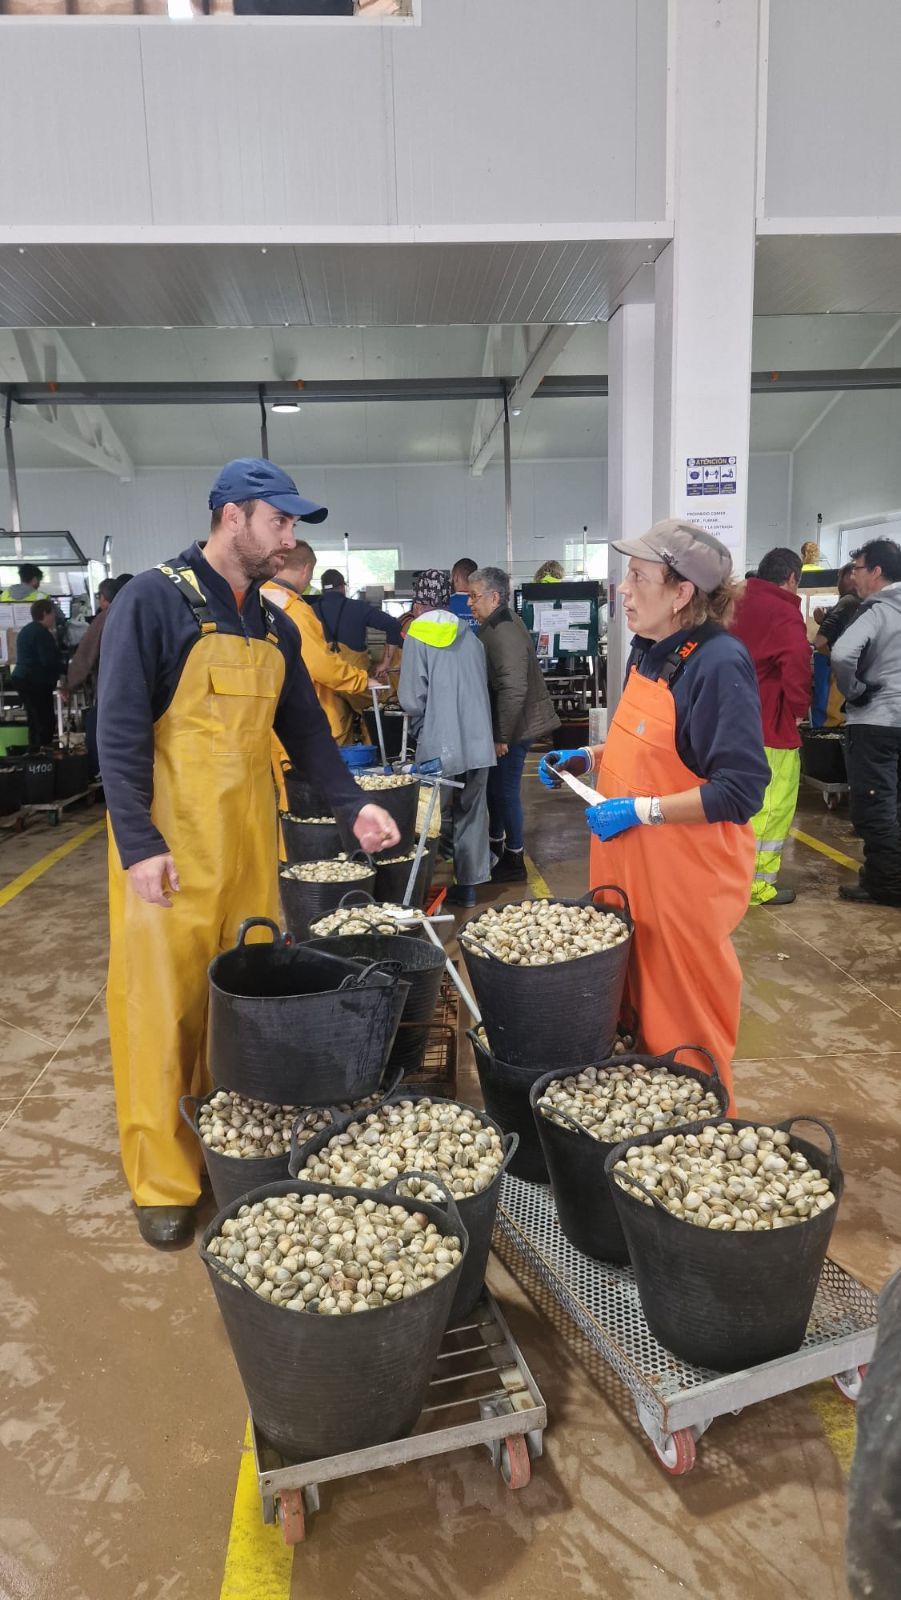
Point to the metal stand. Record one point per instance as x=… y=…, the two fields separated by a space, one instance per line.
x=481 y=1393
x=676 y=1402
x=832 y=793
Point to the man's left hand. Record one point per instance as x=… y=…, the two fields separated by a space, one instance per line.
x=376 y=829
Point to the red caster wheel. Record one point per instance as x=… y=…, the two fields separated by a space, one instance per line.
x=291 y=1516
x=849 y=1384
x=677 y=1454
x=515 y=1465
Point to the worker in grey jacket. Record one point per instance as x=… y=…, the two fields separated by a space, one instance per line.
x=521 y=712
x=866 y=660
x=444 y=689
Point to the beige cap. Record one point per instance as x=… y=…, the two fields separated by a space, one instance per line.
x=688 y=550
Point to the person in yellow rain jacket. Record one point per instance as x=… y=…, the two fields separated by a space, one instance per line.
x=196 y=670
x=334 y=677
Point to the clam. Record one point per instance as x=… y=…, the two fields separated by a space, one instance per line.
x=441 y=1137
x=538 y=933
x=613 y=1103
x=335 y=871
x=357 y=919
x=234 y=1125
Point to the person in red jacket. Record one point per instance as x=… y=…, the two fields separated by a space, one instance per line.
x=770 y=625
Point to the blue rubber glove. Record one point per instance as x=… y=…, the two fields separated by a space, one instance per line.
x=578 y=762
x=612 y=817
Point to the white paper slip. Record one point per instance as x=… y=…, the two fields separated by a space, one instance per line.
x=590 y=796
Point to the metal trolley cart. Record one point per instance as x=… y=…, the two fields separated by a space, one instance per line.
x=481 y=1393
x=676 y=1402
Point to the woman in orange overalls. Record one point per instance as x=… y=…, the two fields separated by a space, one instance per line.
x=682 y=773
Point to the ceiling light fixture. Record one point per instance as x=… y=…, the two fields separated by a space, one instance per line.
x=517 y=411
x=285 y=406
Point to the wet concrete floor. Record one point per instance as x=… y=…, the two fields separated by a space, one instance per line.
x=121 y=1414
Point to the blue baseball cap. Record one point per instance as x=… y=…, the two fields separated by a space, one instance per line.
x=252 y=478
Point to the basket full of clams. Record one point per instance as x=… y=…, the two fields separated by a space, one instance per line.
x=310 y=889
x=581 y=1115
x=358 y=913
x=335 y=1303
x=398 y=794
x=247 y=1142
x=309 y=838
x=548 y=976
x=728 y=1223
x=464 y=1148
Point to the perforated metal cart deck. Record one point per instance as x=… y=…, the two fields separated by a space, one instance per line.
x=676 y=1402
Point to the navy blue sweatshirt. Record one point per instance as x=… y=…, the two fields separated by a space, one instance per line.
x=718 y=728
x=146 y=640
x=347 y=620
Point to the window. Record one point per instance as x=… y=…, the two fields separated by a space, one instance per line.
x=597 y=560
x=366 y=566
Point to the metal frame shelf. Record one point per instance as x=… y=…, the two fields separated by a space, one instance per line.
x=676 y=1402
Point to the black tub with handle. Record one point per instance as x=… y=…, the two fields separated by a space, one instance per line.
x=71 y=774
x=402 y=803
x=319 y=1386
x=304 y=901
x=562 y=1014
x=309 y=841
x=233 y=1176
x=303 y=799
x=586 y=1209
x=361 y=897
x=722 y=1299
x=505 y=1091
x=296 y=1026
x=421 y=964
x=12 y=785
x=478 y=1211
x=392 y=876
x=40 y=776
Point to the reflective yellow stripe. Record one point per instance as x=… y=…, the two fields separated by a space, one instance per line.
x=825 y=849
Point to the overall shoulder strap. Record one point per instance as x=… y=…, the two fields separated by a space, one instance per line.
x=677 y=659
x=184 y=580
x=269 y=620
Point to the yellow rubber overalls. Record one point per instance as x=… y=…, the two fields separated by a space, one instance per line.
x=214 y=805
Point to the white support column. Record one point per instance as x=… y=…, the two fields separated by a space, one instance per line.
x=630 y=460
x=705 y=278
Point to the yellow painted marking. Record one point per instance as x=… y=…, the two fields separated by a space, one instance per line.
x=824 y=849
x=32 y=873
x=258 y=1563
x=839 y=1422
x=536 y=882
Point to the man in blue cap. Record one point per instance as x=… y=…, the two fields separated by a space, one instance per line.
x=196 y=671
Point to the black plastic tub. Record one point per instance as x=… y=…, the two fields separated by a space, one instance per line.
x=71 y=775
x=361 y=897
x=233 y=1176
x=392 y=731
x=12 y=785
x=505 y=1091
x=564 y=1014
x=421 y=964
x=721 y=1299
x=309 y=841
x=304 y=902
x=823 y=755
x=296 y=1026
x=319 y=1386
x=39 y=773
x=392 y=877
x=586 y=1209
x=303 y=799
x=478 y=1211
x=402 y=804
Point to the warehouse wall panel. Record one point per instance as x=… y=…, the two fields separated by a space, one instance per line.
x=833 y=109
x=72 y=125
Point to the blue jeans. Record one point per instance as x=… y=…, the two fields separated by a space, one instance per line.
x=504 y=800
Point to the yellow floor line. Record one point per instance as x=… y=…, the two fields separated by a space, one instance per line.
x=839 y=1422
x=258 y=1563
x=825 y=849
x=536 y=882
x=32 y=873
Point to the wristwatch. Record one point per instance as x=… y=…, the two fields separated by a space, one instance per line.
x=655 y=815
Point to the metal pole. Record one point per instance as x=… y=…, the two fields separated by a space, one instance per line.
x=14 y=517
x=264 y=427
x=347 y=559
x=585 y=551
x=508 y=481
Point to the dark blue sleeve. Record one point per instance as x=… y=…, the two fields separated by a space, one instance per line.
x=720 y=734
x=302 y=726
x=384 y=623
x=129 y=668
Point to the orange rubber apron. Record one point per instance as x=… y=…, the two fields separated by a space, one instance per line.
x=214 y=805
x=688 y=886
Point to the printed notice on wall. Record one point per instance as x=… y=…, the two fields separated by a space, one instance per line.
x=711 y=489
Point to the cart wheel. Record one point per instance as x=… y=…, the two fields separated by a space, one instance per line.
x=831 y=801
x=291 y=1516
x=516 y=1467
x=677 y=1454
x=849 y=1384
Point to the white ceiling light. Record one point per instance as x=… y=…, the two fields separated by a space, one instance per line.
x=517 y=411
x=285 y=406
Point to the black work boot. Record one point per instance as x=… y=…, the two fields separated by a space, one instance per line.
x=166 y=1226
x=511 y=868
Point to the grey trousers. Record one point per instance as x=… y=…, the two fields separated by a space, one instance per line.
x=464 y=826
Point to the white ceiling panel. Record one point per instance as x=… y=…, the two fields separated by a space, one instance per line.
x=797 y=275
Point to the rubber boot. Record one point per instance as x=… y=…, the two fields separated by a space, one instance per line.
x=511 y=868
x=166 y=1226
